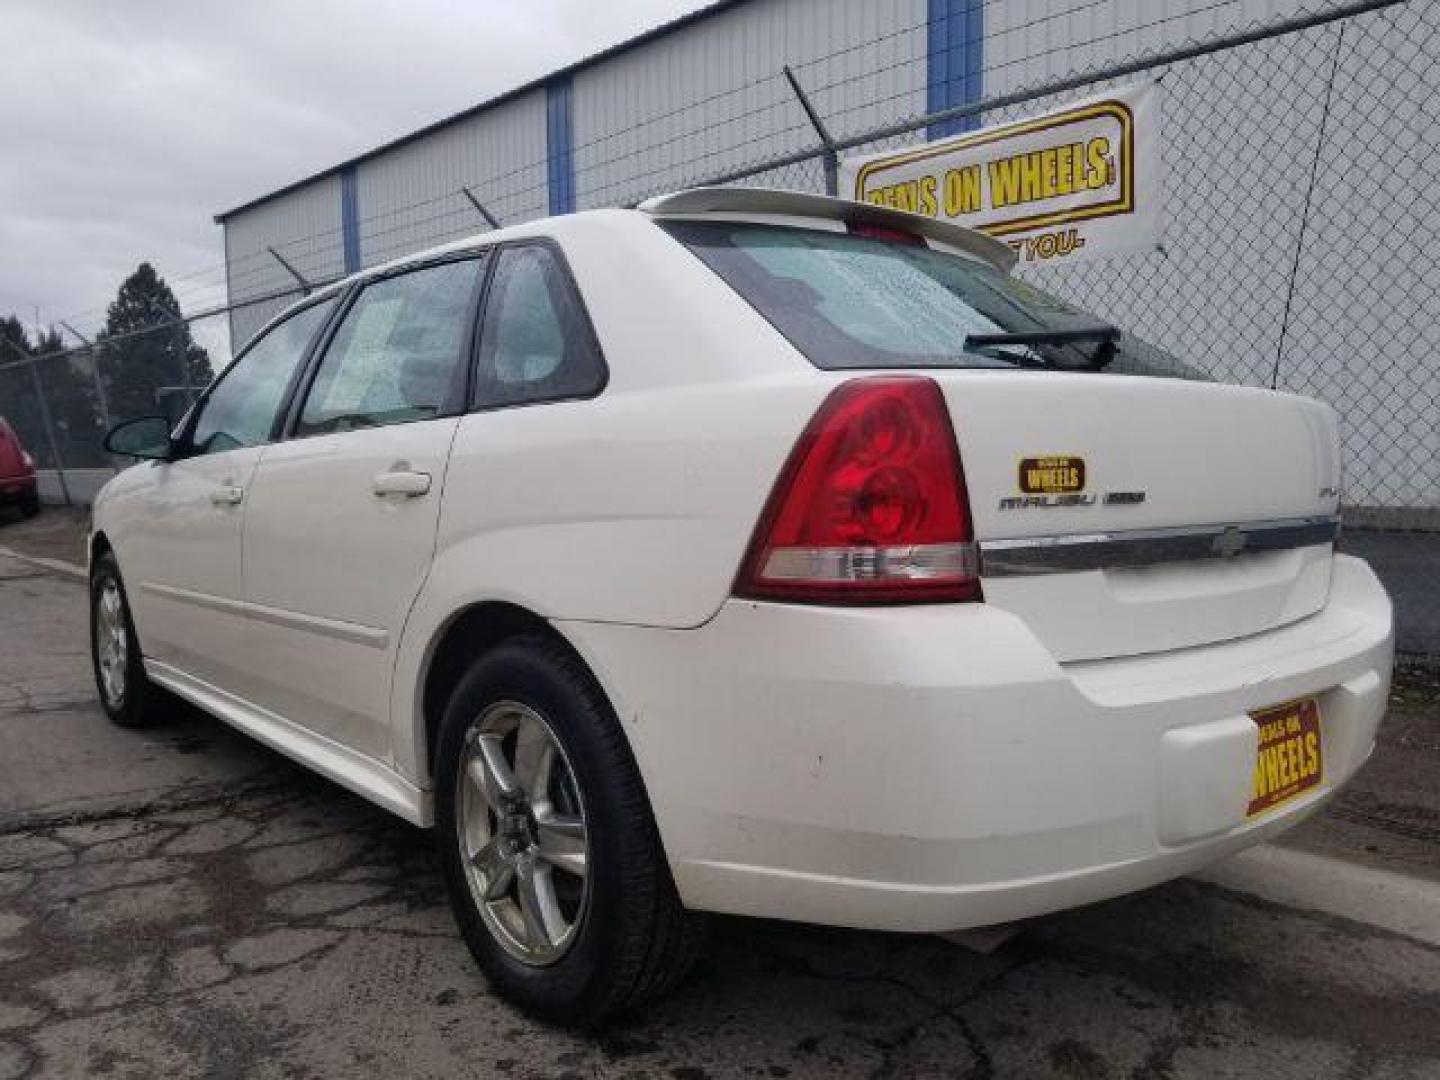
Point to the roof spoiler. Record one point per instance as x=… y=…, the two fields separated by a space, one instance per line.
x=743 y=200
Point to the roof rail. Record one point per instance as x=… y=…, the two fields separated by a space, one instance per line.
x=747 y=200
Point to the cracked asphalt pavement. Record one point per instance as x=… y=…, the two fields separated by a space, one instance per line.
x=182 y=902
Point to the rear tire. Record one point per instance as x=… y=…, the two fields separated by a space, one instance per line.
x=607 y=939
x=125 y=692
x=30 y=503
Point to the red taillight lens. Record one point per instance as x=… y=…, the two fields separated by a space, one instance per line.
x=871 y=506
x=887 y=236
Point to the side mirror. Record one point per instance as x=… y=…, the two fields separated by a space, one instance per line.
x=147 y=438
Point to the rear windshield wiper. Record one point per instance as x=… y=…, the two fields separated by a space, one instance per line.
x=1103 y=335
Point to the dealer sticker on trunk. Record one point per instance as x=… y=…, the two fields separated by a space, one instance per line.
x=1055 y=475
x=1289 y=759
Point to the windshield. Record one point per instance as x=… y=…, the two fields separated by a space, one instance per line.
x=851 y=301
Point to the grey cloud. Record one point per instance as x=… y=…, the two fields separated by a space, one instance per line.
x=128 y=124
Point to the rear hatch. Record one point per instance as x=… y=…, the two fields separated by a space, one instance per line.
x=1123 y=504
x=1120 y=515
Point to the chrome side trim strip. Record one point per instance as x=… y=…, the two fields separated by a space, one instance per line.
x=354 y=633
x=1149 y=547
x=198 y=599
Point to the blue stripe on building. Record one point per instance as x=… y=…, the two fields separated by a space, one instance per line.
x=955 y=61
x=560 y=146
x=350 y=218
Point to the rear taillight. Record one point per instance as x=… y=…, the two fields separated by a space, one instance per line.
x=884 y=235
x=26 y=461
x=871 y=506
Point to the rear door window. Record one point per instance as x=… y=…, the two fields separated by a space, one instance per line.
x=857 y=301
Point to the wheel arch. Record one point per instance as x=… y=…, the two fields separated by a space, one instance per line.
x=468 y=633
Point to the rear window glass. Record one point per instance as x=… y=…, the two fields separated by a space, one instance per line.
x=849 y=301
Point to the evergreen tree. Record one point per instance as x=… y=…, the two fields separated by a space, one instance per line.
x=12 y=330
x=144 y=348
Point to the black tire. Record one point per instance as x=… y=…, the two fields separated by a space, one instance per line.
x=634 y=940
x=30 y=503
x=131 y=708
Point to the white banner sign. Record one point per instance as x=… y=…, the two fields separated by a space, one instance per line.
x=1079 y=182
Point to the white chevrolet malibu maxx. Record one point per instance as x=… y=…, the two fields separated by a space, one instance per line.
x=748 y=552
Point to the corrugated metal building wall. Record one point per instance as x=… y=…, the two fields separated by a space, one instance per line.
x=305 y=224
x=711 y=97
x=412 y=198
x=699 y=96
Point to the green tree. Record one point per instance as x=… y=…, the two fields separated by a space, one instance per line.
x=144 y=348
x=12 y=331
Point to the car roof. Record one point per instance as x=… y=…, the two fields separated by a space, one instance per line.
x=691 y=203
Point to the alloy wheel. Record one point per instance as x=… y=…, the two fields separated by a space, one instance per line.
x=112 y=644
x=523 y=833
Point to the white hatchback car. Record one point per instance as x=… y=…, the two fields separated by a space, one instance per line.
x=748 y=552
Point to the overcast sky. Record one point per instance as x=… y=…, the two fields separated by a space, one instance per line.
x=129 y=123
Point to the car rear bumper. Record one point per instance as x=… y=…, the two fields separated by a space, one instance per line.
x=933 y=768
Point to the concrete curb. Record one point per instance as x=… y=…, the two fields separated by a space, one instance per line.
x=57 y=566
x=1303 y=881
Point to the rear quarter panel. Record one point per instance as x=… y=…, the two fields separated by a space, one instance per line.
x=635 y=506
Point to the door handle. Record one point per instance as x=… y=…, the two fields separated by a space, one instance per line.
x=227 y=495
x=401 y=482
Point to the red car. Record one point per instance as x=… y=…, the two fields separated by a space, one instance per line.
x=17 y=473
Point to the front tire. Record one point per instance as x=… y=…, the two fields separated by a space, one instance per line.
x=554 y=866
x=114 y=650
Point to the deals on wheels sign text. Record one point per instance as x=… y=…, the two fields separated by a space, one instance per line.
x=1081 y=181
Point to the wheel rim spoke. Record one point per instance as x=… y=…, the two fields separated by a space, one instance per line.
x=561 y=842
x=498 y=873
x=491 y=773
x=544 y=923
x=534 y=756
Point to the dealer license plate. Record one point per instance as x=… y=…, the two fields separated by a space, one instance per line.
x=1290 y=760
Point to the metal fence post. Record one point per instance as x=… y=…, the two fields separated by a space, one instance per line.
x=102 y=402
x=830 y=158
x=49 y=424
x=480 y=208
x=305 y=286
x=177 y=332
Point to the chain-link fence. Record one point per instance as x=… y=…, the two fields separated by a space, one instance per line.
x=1301 y=202
x=61 y=404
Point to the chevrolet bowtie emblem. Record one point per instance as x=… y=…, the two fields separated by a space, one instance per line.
x=1230 y=542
